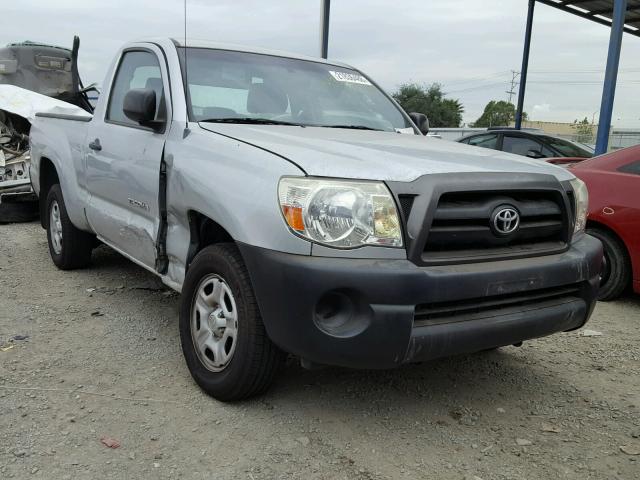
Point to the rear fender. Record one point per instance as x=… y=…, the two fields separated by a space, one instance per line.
x=62 y=143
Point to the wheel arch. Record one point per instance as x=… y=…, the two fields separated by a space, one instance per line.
x=633 y=266
x=612 y=231
x=48 y=176
x=204 y=231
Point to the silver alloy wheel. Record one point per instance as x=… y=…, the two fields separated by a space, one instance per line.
x=214 y=323
x=55 y=227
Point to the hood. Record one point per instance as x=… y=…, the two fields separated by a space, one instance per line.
x=373 y=155
x=26 y=103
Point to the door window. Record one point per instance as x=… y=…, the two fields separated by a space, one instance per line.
x=569 y=149
x=520 y=145
x=137 y=69
x=485 y=141
x=547 y=152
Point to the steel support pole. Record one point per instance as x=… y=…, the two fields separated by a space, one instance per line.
x=610 y=76
x=525 y=64
x=324 y=27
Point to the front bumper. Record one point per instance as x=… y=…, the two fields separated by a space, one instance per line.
x=366 y=313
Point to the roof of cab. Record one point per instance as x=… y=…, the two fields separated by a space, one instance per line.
x=198 y=43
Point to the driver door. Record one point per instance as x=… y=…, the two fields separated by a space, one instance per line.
x=123 y=163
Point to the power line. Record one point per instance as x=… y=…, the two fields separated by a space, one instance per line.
x=580 y=82
x=479 y=87
x=494 y=75
x=622 y=70
x=543 y=82
x=489 y=76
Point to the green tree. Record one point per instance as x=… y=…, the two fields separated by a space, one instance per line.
x=584 y=130
x=498 y=113
x=441 y=111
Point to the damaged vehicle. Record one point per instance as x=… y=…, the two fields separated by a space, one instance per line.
x=277 y=193
x=17 y=200
x=52 y=73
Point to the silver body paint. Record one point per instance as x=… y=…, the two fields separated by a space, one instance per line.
x=227 y=172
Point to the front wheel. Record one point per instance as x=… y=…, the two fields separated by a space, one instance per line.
x=69 y=246
x=224 y=341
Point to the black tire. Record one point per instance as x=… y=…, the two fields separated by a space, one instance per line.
x=18 y=212
x=256 y=360
x=616 y=271
x=76 y=245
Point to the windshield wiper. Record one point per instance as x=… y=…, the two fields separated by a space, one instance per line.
x=353 y=127
x=250 y=120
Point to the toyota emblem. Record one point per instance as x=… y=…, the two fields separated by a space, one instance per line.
x=506 y=220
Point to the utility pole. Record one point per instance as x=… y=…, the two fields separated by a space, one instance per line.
x=511 y=92
x=525 y=64
x=325 y=7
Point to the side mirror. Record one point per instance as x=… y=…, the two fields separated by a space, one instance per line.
x=140 y=106
x=535 y=154
x=421 y=121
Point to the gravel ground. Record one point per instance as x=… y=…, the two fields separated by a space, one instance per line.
x=102 y=358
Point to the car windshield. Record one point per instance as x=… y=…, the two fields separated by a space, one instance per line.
x=240 y=87
x=569 y=149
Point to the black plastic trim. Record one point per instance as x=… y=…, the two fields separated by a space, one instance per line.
x=289 y=289
x=428 y=189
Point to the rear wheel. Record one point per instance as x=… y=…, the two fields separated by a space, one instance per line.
x=616 y=270
x=69 y=246
x=224 y=341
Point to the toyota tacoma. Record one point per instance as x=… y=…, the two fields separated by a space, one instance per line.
x=299 y=210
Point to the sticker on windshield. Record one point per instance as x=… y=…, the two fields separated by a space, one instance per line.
x=349 y=77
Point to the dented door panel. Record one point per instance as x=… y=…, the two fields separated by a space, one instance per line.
x=123 y=162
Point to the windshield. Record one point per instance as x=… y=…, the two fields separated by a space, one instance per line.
x=240 y=87
x=570 y=149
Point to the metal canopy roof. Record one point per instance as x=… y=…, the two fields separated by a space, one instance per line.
x=600 y=11
x=621 y=16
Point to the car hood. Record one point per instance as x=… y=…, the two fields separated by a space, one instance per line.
x=374 y=155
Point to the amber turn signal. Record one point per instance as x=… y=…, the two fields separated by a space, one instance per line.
x=293 y=216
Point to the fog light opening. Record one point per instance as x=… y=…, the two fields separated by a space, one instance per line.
x=342 y=313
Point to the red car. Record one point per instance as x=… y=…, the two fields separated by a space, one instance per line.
x=613 y=181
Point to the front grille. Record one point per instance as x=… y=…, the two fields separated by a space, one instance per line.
x=492 y=306
x=447 y=217
x=461 y=227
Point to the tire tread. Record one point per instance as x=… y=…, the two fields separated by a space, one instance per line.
x=77 y=244
x=265 y=357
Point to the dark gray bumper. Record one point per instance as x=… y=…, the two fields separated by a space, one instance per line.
x=368 y=313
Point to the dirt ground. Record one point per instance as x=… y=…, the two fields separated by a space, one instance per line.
x=101 y=358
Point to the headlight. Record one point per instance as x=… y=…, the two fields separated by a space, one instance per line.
x=581 y=195
x=340 y=213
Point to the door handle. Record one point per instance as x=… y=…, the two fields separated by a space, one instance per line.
x=95 y=145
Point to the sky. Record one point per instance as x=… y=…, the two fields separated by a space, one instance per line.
x=470 y=47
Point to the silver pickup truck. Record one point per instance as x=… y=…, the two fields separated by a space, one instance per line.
x=299 y=209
